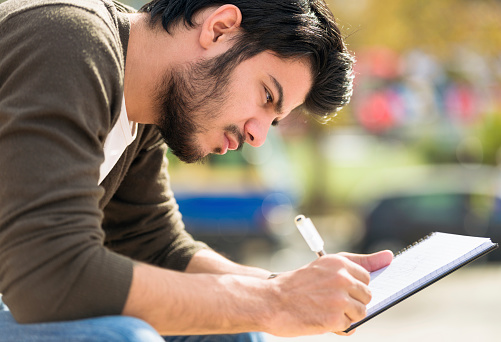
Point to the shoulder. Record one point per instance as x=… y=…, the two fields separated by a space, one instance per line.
x=14 y=7
x=62 y=34
x=94 y=18
x=64 y=54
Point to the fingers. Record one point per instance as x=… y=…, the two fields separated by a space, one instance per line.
x=342 y=333
x=359 y=268
x=358 y=272
x=355 y=312
x=354 y=279
x=360 y=292
x=349 y=276
x=351 y=281
x=330 y=293
x=371 y=262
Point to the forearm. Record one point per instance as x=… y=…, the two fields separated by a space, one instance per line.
x=327 y=295
x=208 y=261
x=186 y=303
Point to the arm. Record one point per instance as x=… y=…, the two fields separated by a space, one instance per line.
x=326 y=295
x=208 y=261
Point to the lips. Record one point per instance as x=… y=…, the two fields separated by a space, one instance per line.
x=232 y=144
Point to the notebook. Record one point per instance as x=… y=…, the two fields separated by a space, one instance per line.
x=420 y=265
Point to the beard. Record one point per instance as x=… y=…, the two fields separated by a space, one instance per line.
x=188 y=101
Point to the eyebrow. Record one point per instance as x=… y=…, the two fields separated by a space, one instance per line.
x=280 y=100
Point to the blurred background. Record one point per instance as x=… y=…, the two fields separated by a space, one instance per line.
x=417 y=150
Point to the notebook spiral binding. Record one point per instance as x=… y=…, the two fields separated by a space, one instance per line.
x=413 y=244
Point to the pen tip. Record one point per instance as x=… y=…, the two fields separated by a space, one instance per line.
x=299 y=218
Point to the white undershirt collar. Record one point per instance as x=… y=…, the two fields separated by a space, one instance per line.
x=121 y=135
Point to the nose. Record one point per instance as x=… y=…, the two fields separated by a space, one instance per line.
x=256 y=132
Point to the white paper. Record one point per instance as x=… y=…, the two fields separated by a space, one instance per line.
x=423 y=262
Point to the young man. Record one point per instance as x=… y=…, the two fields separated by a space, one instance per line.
x=92 y=246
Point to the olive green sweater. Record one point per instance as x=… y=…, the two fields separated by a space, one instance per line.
x=67 y=244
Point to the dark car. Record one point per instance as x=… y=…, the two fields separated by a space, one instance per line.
x=398 y=221
x=455 y=205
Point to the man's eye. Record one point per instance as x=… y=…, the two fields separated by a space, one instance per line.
x=269 y=98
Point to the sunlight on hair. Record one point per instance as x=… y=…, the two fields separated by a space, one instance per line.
x=324 y=119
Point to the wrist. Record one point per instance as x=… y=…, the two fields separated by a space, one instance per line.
x=254 y=302
x=272 y=310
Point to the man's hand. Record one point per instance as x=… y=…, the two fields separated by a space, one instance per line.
x=327 y=295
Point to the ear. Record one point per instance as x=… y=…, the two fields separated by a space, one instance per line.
x=220 y=25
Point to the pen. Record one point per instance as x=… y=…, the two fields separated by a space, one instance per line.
x=310 y=234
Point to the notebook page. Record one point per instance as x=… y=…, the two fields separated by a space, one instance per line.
x=422 y=262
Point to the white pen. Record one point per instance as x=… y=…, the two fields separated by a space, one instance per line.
x=310 y=234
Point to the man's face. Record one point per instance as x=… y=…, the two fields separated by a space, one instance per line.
x=203 y=114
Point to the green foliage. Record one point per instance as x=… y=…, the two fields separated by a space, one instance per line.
x=488 y=131
x=435 y=26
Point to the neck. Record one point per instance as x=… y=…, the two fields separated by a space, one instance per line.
x=137 y=76
x=151 y=53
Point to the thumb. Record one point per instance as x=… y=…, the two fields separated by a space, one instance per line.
x=371 y=262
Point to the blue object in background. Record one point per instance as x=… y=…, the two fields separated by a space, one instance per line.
x=227 y=221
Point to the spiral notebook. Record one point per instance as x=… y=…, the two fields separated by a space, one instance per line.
x=420 y=265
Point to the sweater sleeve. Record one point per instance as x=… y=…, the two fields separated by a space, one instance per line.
x=60 y=72
x=142 y=220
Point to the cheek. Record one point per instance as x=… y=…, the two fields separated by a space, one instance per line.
x=227 y=113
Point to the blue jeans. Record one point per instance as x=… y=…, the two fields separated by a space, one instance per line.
x=101 y=329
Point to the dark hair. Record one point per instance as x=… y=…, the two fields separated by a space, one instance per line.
x=289 y=28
